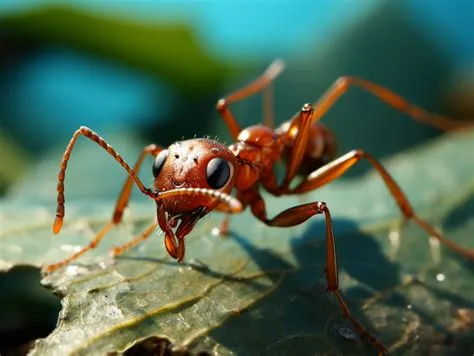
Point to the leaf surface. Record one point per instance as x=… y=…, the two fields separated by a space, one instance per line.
x=259 y=291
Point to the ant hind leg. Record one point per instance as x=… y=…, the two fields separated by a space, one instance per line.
x=338 y=167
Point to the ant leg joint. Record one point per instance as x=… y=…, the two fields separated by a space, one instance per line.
x=321 y=206
x=359 y=153
x=343 y=80
x=221 y=105
x=85 y=130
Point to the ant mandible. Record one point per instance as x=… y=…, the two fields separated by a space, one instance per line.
x=195 y=177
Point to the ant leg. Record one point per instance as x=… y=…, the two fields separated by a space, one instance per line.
x=124 y=196
x=223 y=228
x=389 y=97
x=330 y=97
x=120 y=206
x=53 y=267
x=254 y=87
x=117 y=251
x=302 y=123
x=268 y=114
x=338 y=167
x=299 y=214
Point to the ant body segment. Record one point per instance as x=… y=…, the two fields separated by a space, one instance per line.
x=197 y=176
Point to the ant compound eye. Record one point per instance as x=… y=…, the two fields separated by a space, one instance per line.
x=218 y=172
x=159 y=162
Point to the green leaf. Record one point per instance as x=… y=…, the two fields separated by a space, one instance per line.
x=260 y=291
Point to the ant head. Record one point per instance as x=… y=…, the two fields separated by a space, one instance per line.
x=191 y=166
x=197 y=163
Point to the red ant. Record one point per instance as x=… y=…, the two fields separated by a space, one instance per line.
x=195 y=177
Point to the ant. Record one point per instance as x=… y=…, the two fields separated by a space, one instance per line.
x=197 y=176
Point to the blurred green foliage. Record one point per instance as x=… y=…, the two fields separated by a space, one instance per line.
x=382 y=47
x=13 y=161
x=168 y=52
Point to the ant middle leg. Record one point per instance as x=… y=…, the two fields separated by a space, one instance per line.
x=120 y=206
x=338 y=167
x=126 y=192
x=297 y=215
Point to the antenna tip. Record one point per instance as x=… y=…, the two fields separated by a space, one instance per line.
x=58 y=224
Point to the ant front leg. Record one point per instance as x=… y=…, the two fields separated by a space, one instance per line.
x=297 y=215
x=121 y=202
x=338 y=167
x=302 y=124
x=254 y=87
x=223 y=229
x=117 y=251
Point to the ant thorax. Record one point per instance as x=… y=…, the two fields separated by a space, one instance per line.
x=257 y=149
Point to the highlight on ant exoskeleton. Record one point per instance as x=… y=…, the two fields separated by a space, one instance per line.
x=197 y=176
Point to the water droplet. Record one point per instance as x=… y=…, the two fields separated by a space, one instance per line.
x=348 y=334
x=75 y=270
